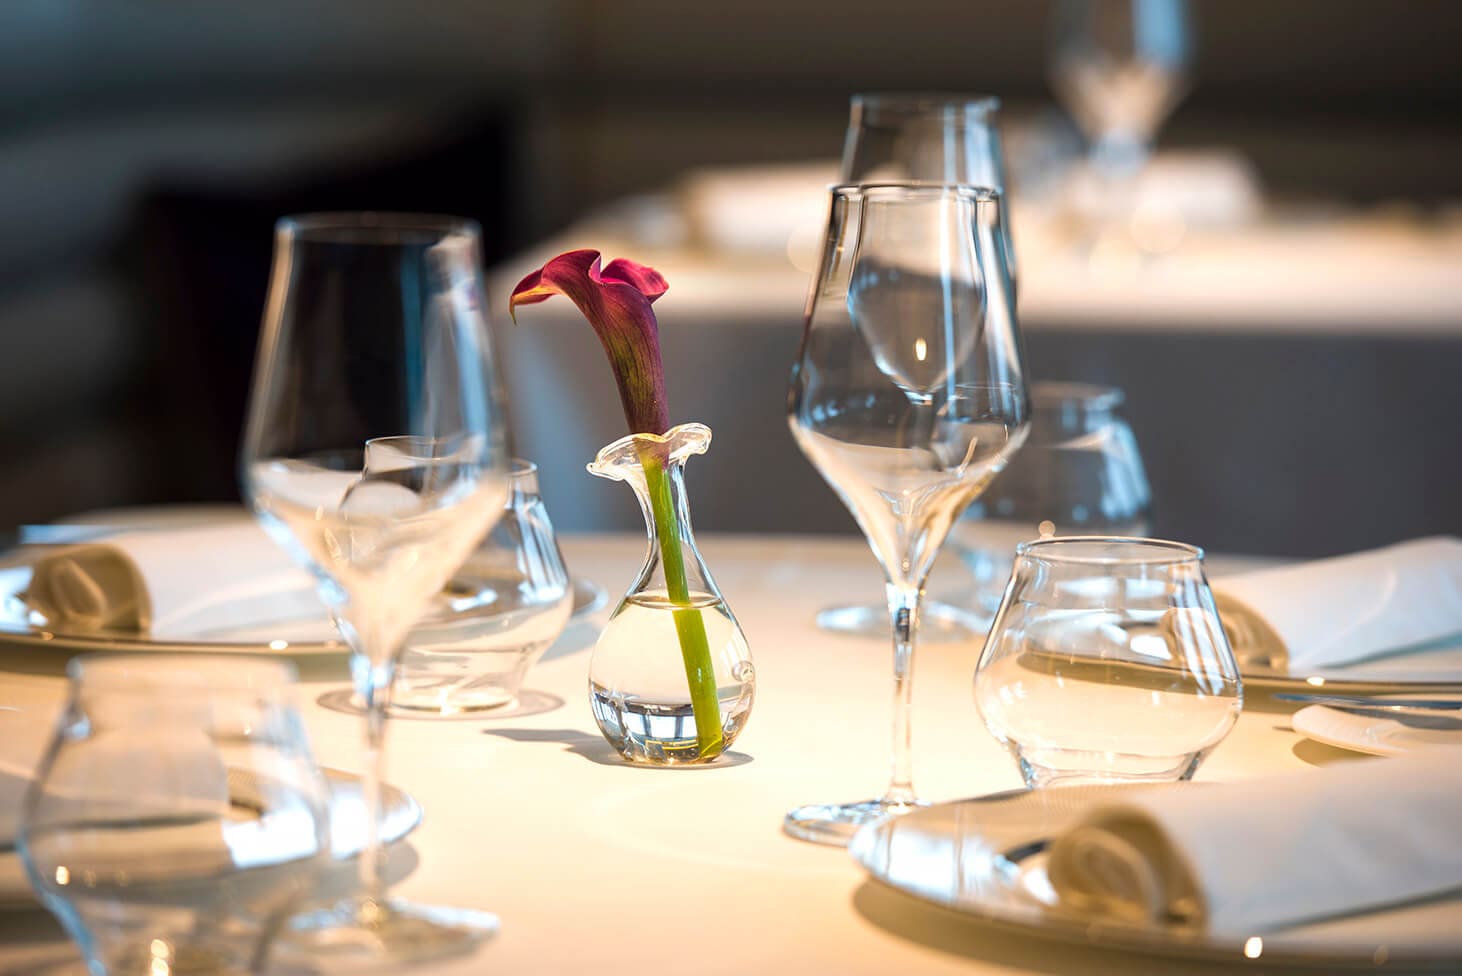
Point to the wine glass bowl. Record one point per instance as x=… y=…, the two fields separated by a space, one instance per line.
x=907 y=396
x=1107 y=663
x=375 y=455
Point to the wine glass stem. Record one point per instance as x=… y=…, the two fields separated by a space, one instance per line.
x=373 y=681
x=903 y=607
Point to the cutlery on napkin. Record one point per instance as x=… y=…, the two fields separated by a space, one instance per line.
x=1252 y=856
x=172 y=583
x=1337 y=611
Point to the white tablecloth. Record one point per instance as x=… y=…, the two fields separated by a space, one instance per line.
x=595 y=866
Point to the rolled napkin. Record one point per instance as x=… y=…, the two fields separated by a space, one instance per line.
x=1341 y=610
x=1243 y=858
x=174 y=584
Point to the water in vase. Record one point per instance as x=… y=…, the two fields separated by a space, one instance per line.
x=640 y=699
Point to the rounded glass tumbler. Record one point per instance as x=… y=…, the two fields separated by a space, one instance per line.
x=1107 y=663
x=671 y=680
x=500 y=612
x=178 y=817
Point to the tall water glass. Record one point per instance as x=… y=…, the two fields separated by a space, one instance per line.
x=178 y=816
x=926 y=137
x=375 y=339
x=908 y=396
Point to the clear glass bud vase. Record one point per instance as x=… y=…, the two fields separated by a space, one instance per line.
x=671 y=680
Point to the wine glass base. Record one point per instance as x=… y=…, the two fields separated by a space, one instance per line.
x=362 y=931
x=835 y=824
x=938 y=622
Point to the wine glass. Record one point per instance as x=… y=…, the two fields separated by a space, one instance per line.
x=178 y=817
x=908 y=396
x=1121 y=67
x=1107 y=663
x=932 y=137
x=375 y=346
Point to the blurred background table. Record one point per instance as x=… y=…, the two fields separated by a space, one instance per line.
x=1292 y=384
x=594 y=865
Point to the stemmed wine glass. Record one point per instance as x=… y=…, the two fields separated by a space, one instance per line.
x=375 y=346
x=1121 y=68
x=908 y=396
x=931 y=137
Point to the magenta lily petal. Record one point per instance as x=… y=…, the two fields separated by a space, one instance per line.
x=616 y=301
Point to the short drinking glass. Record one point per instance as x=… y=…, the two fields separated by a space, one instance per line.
x=1106 y=663
x=178 y=817
x=506 y=605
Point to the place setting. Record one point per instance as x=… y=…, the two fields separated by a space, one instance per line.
x=385 y=712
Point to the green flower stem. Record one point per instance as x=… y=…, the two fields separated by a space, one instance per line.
x=695 y=649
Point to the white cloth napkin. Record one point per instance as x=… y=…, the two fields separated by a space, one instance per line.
x=1340 y=610
x=174 y=584
x=1252 y=856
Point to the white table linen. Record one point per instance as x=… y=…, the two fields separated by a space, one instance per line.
x=594 y=866
x=1329 y=612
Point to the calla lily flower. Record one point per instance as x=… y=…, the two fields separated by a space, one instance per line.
x=616 y=300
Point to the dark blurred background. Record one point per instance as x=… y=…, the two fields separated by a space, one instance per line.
x=147 y=147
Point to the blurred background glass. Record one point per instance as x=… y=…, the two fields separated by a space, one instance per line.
x=1120 y=67
x=1283 y=304
x=1079 y=473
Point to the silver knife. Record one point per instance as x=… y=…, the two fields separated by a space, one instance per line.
x=1387 y=703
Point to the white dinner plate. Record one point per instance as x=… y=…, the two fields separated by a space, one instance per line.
x=400 y=814
x=1378 y=732
x=20 y=625
x=985 y=858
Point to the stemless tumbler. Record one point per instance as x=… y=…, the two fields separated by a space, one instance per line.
x=506 y=605
x=178 y=817
x=1106 y=662
x=1079 y=473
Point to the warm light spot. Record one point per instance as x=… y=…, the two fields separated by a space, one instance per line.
x=921 y=350
x=1315 y=680
x=1046 y=529
x=1254 y=947
x=278 y=645
x=160 y=948
x=160 y=967
x=63 y=875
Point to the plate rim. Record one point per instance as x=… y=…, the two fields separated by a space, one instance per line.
x=16 y=894
x=1364 y=747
